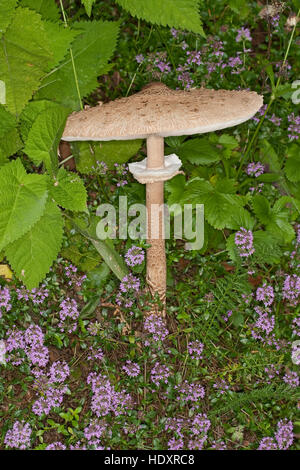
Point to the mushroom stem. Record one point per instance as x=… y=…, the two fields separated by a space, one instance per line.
x=156 y=254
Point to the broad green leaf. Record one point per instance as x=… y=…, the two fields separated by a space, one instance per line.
x=175 y=188
x=91 y=51
x=10 y=141
x=115 y=151
x=88 y=6
x=68 y=190
x=292 y=165
x=30 y=113
x=44 y=137
x=199 y=151
x=269 y=156
x=7 y=9
x=219 y=206
x=25 y=56
x=32 y=255
x=60 y=39
x=262 y=209
x=22 y=201
x=47 y=8
x=275 y=219
x=180 y=14
x=228 y=141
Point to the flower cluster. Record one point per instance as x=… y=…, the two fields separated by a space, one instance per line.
x=5 y=299
x=283 y=437
x=244 y=242
x=132 y=369
x=19 y=436
x=265 y=294
x=160 y=374
x=190 y=392
x=255 y=169
x=195 y=349
x=134 y=256
x=106 y=399
x=68 y=315
x=156 y=326
x=291 y=289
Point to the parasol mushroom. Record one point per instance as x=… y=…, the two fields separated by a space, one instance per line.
x=154 y=113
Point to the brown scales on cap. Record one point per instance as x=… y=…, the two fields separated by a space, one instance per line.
x=158 y=110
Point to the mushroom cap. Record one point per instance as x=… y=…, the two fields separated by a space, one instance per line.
x=158 y=110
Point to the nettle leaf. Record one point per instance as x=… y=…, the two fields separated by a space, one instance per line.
x=47 y=8
x=30 y=113
x=68 y=190
x=32 y=255
x=262 y=209
x=228 y=141
x=115 y=151
x=180 y=14
x=60 y=39
x=88 y=6
x=44 y=137
x=199 y=151
x=219 y=206
x=91 y=50
x=7 y=8
x=25 y=56
x=22 y=201
x=292 y=165
x=10 y=141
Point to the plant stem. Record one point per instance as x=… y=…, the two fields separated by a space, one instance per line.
x=72 y=57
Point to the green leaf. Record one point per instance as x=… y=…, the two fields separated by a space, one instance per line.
x=228 y=141
x=44 y=137
x=25 y=56
x=219 y=205
x=180 y=14
x=240 y=7
x=266 y=248
x=269 y=156
x=91 y=50
x=84 y=257
x=30 y=113
x=88 y=6
x=292 y=165
x=33 y=254
x=111 y=257
x=68 y=190
x=262 y=209
x=115 y=151
x=60 y=39
x=199 y=151
x=47 y=8
x=10 y=141
x=22 y=201
x=175 y=188
x=7 y=9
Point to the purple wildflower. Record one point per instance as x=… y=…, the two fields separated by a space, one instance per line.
x=244 y=241
x=19 y=436
x=265 y=294
x=132 y=369
x=134 y=256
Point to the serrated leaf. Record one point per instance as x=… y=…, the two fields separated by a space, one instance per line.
x=180 y=14
x=228 y=141
x=219 y=206
x=292 y=165
x=175 y=188
x=88 y=6
x=262 y=209
x=47 y=8
x=33 y=254
x=118 y=151
x=10 y=141
x=198 y=151
x=30 y=113
x=91 y=50
x=7 y=9
x=68 y=190
x=25 y=55
x=60 y=39
x=81 y=255
x=44 y=137
x=22 y=201
x=269 y=156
